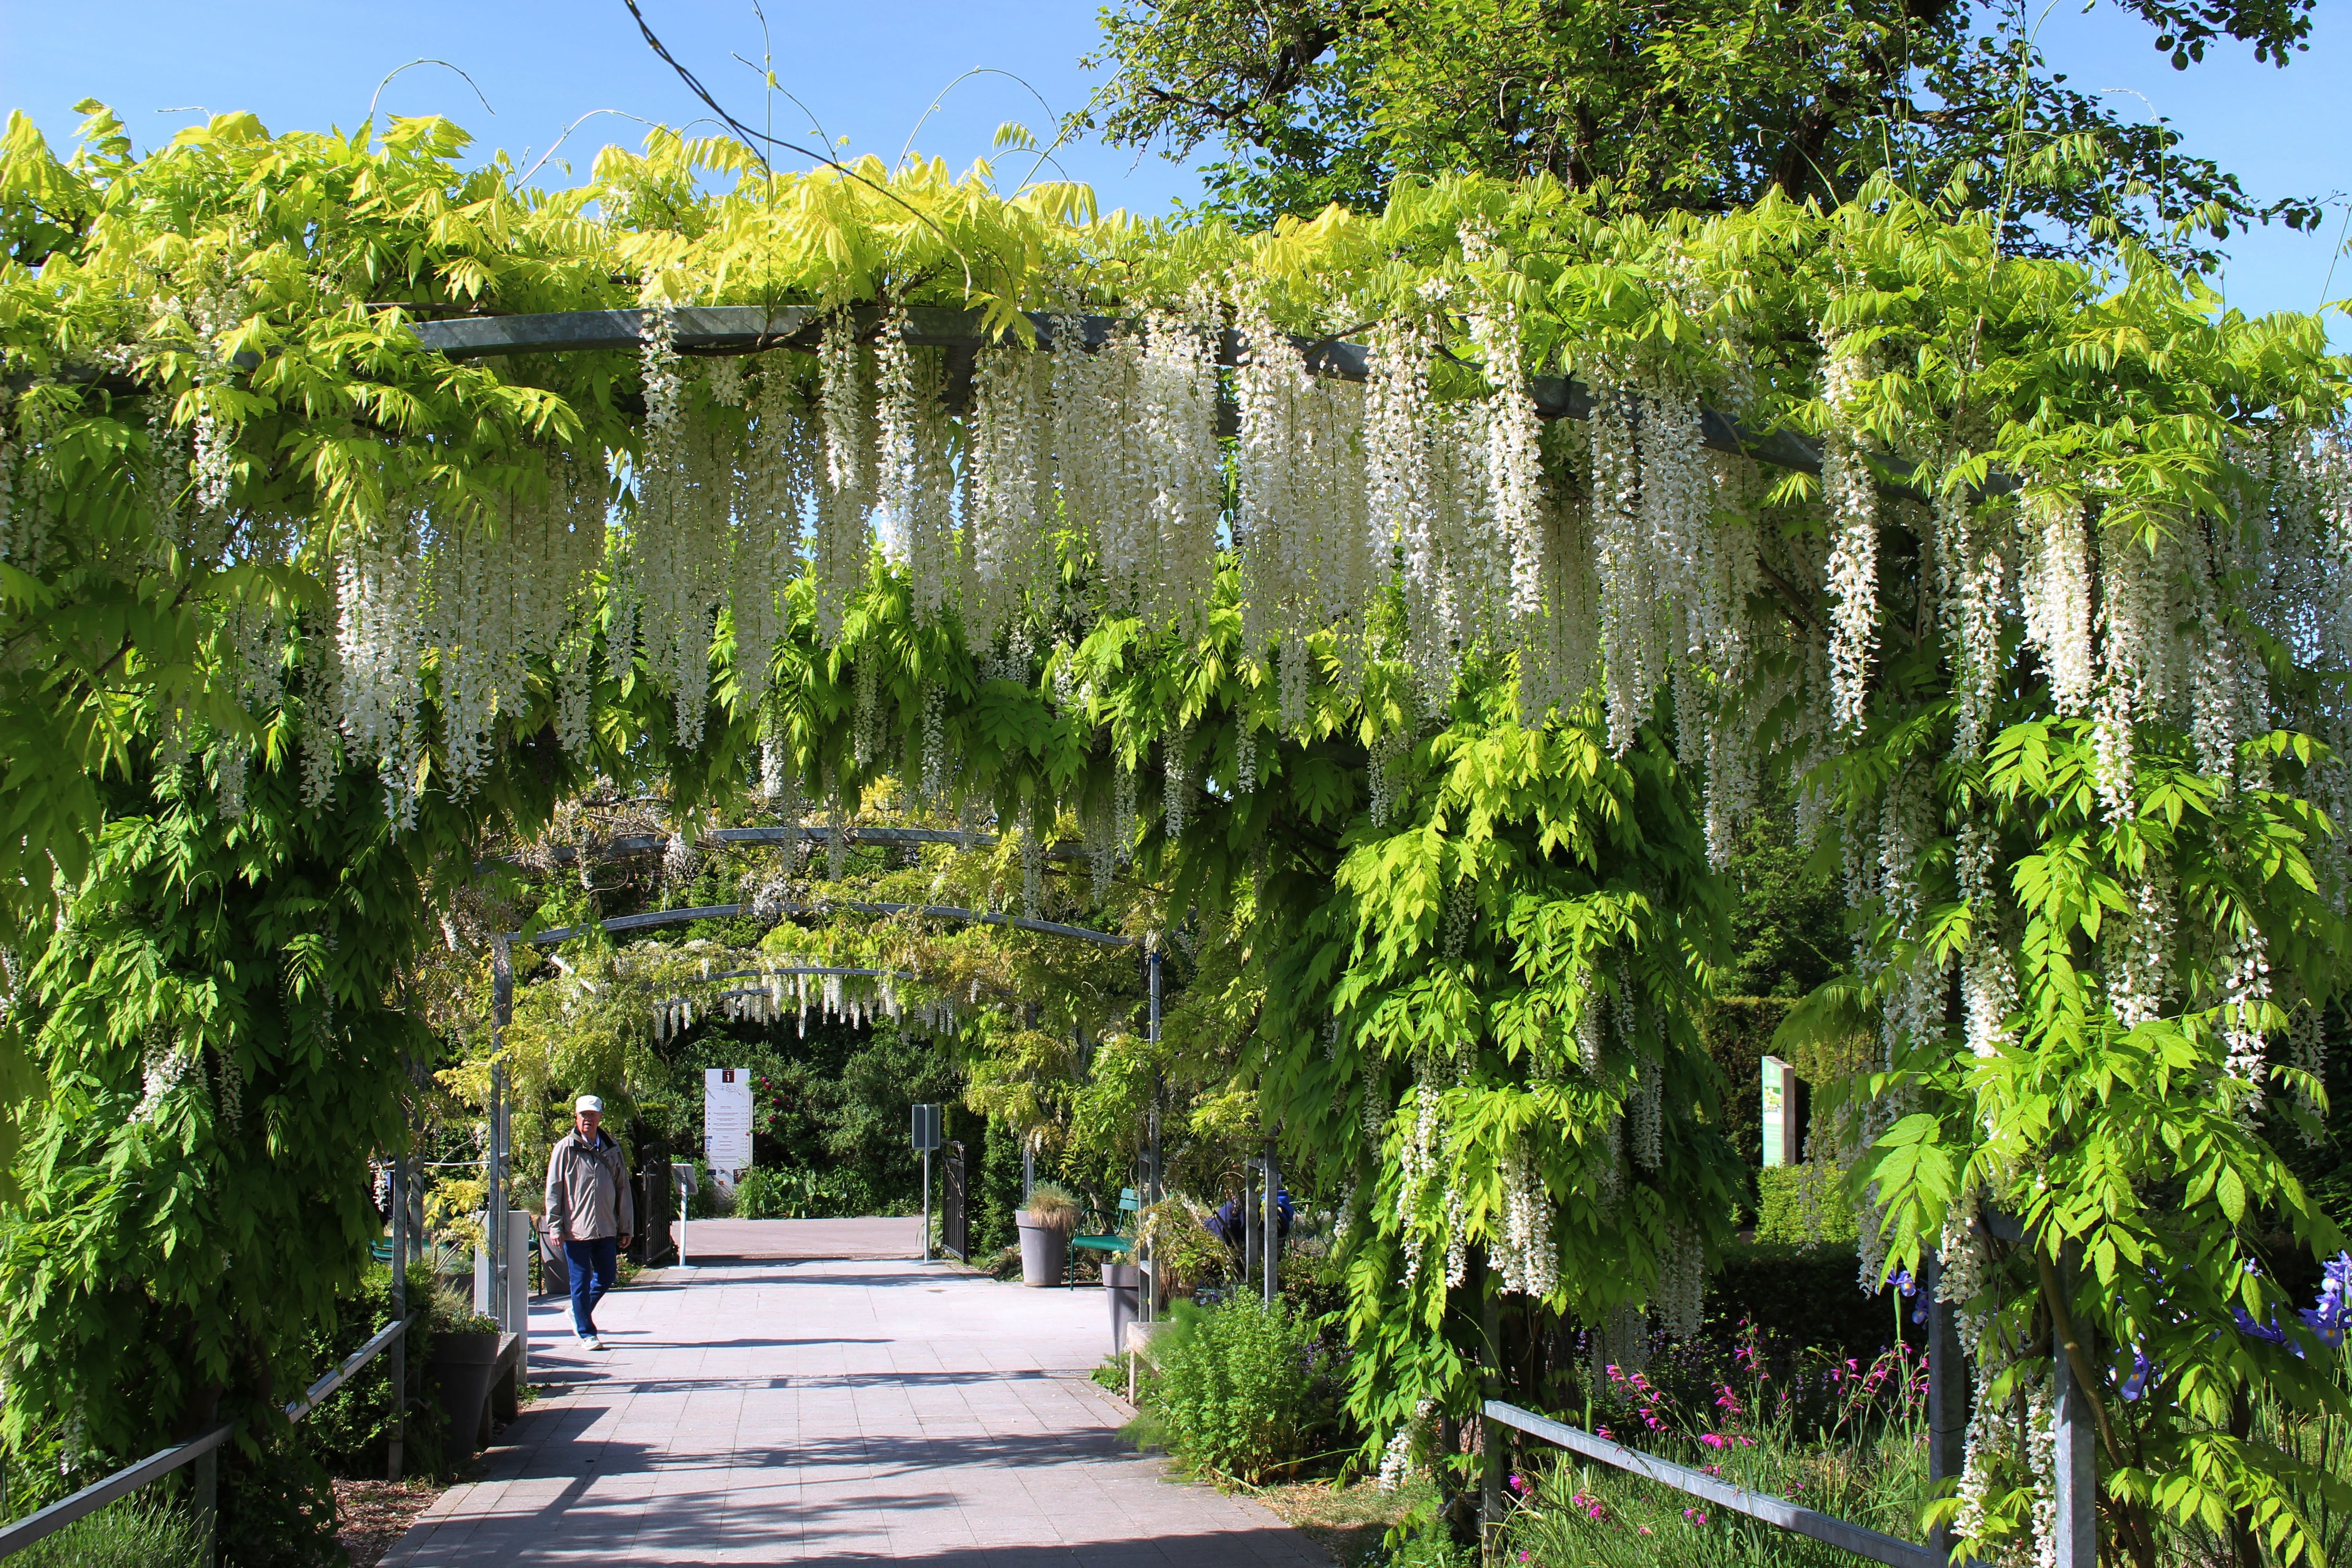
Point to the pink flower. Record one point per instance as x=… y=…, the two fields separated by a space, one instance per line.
x=1518 y=1483
x=1695 y=1515
x=1644 y=1529
x=1712 y=1440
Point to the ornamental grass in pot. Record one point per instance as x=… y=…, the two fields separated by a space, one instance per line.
x=1045 y=1226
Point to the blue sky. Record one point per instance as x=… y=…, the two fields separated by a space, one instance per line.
x=869 y=72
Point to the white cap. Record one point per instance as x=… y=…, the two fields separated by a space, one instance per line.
x=589 y=1102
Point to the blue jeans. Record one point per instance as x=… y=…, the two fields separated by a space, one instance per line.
x=591 y=1263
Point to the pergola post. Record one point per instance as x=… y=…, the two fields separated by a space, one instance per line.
x=1947 y=1393
x=1269 y=1228
x=399 y=1352
x=2077 y=1526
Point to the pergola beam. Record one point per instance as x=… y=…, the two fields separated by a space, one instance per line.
x=752 y=329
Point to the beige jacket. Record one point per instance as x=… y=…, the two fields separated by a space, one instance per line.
x=588 y=1193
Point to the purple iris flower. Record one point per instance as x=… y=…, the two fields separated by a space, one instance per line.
x=2328 y=1316
x=2269 y=1332
x=2142 y=1370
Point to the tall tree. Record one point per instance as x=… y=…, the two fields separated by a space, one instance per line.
x=1703 y=105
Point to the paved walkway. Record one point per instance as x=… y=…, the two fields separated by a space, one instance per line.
x=780 y=1411
x=750 y=1240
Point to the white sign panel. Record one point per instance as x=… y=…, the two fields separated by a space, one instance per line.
x=727 y=1119
x=1780 y=1112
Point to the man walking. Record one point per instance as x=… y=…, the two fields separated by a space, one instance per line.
x=589 y=1211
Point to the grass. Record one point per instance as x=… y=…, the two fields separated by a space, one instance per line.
x=1346 y=1520
x=132 y=1533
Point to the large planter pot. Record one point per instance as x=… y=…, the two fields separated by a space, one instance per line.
x=460 y=1373
x=1123 y=1283
x=1044 y=1251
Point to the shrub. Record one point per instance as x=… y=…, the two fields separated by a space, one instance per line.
x=136 y=1532
x=1245 y=1388
x=787 y=1191
x=1800 y=1206
x=1804 y=1297
x=1182 y=1250
x=351 y=1427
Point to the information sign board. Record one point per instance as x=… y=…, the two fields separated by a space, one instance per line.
x=725 y=1122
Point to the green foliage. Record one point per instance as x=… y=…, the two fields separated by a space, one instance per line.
x=138 y=1531
x=1397 y=995
x=350 y=1430
x=787 y=1193
x=1798 y=1205
x=1313 y=103
x=216 y=1027
x=1245 y=1388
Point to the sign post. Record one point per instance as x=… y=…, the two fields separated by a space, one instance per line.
x=926 y=1138
x=681 y=1176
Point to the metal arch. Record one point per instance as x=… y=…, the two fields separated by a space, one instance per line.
x=645 y=843
x=850 y=906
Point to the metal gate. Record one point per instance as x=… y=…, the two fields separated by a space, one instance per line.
x=953 y=1220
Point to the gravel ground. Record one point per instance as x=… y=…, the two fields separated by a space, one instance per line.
x=371 y=1515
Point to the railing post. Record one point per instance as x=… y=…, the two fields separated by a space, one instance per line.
x=205 y=1501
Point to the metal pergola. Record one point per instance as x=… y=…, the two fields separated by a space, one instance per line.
x=722 y=330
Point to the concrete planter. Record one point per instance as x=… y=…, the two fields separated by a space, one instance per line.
x=1044 y=1251
x=1123 y=1283
x=462 y=1368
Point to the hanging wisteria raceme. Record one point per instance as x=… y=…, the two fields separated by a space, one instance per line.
x=1632 y=647
x=1174 y=564
x=495 y=604
x=1008 y=546
x=2054 y=592
x=1849 y=498
x=844 y=499
x=1401 y=489
x=380 y=647
x=778 y=474
x=1300 y=523
x=1971 y=585
x=1526 y=1256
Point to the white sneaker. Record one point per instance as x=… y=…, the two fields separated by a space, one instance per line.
x=593 y=1343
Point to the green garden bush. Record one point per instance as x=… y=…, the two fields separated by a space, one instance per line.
x=1246 y=1389
x=351 y=1430
x=1803 y=1206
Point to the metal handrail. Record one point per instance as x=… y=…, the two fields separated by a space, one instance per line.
x=298 y=1408
x=23 y=1533
x=97 y=1494
x=1844 y=1534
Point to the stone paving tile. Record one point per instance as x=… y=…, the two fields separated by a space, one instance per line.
x=798 y=1411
